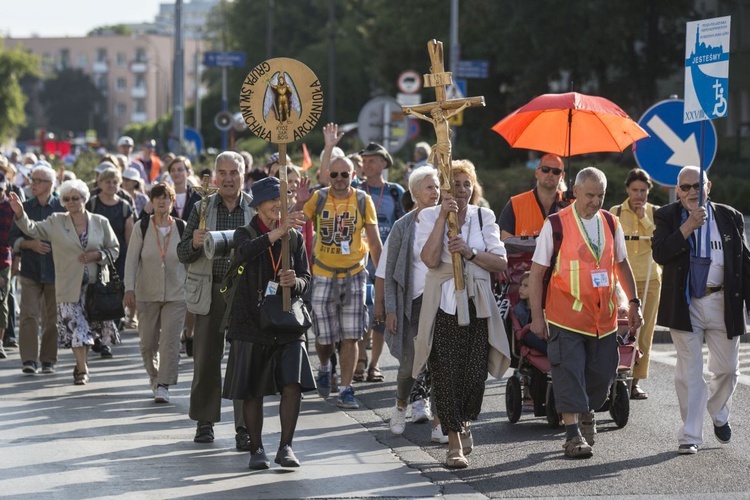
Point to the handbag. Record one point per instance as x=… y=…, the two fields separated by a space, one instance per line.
x=274 y=319
x=104 y=297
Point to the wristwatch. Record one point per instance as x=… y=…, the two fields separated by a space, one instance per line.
x=636 y=301
x=474 y=253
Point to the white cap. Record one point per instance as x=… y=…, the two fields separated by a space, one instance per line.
x=132 y=174
x=125 y=140
x=104 y=166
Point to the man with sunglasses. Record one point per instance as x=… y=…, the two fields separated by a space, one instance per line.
x=705 y=290
x=339 y=277
x=38 y=303
x=525 y=213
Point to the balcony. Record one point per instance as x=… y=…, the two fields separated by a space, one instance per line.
x=138 y=92
x=99 y=67
x=138 y=118
x=138 y=66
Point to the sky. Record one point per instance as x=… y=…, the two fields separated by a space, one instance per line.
x=56 y=18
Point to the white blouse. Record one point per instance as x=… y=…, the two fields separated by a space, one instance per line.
x=485 y=238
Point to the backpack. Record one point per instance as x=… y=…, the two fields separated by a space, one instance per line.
x=144 y=222
x=557 y=239
x=231 y=279
x=125 y=205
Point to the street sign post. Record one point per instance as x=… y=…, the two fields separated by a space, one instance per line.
x=224 y=59
x=672 y=144
x=477 y=68
x=706 y=69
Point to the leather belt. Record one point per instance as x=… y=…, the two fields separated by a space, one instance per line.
x=713 y=289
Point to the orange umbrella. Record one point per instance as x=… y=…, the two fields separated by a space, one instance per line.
x=570 y=124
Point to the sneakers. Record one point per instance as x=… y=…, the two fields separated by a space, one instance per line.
x=106 y=352
x=323 y=382
x=285 y=457
x=723 y=434
x=204 y=433
x=48 y=367
x=346 y=400
x=577 y=447
x=242 y=440
x=398 y=420
x=30 y=367
x=587 y=425
x=420 y=411
x=259 y=460
x=437 y=435
x=161 y=394
x=12 y=343
x=687 y=449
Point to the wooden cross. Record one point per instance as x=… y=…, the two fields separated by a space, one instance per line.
x=439 y=113
x=205 y=191
x=286 y=292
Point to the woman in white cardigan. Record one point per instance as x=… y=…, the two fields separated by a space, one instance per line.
x=154 y=282
x=80 y=241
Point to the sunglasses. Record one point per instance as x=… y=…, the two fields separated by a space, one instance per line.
x=66 y=199
x=344 y=175
x=39 y=181
x=547 y=170
x=685 y=188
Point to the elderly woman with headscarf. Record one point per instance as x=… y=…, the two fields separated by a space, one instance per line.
x=82 y=241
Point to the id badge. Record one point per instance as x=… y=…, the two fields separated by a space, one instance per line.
x=345 y=247
x=599 y=278
x=271 y=288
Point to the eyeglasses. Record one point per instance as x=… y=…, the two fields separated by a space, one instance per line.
x=39 y=181
x=344 y=175
x=66 y=199
x=547 y=170
x=687 y=187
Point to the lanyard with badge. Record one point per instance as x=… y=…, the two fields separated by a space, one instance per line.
x=338 y=222
x=273 y=286
x=599 y=277
x=163 y=251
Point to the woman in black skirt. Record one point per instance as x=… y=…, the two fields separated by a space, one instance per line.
x=265 y=363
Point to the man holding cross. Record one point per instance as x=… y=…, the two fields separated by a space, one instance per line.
x=227 y=208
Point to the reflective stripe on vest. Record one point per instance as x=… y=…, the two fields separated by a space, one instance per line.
x=573 y=302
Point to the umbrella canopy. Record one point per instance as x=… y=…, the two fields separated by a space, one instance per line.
x=570 y=124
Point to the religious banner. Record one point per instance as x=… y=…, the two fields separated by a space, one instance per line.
x=281 y=100
x=706 y=69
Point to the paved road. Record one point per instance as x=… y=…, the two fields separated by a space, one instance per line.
x=108 y=439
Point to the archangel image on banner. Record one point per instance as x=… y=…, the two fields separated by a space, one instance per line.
x=281 y=97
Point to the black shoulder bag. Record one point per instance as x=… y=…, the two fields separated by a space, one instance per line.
x=104 y=296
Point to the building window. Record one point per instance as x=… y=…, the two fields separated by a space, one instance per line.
x=140 y=82
x=140 y=55
x=121 y=109
x=122 y=59
x=83 y=60
x=64 y=61
x=101 y=55
x=121 y=85
x=140 y=106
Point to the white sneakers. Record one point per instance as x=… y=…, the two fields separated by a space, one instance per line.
x=161 y=394
x=398 y=420
x=437 y=435
x=420 y=411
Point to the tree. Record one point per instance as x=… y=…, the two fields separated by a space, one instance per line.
x=14 y=64
x=73 y=103
x=114 y=29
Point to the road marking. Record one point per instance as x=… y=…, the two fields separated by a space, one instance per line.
x=670 y=358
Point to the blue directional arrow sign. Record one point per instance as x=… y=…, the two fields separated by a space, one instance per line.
x=672 y=144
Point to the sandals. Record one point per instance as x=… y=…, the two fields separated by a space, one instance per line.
x=638 y=393
x=467 y=441
x=375 y=375
x=80 y=378
x=359 y=372
x=577 y=448
x=455 y=459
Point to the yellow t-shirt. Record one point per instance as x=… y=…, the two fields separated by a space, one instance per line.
x=340 y=222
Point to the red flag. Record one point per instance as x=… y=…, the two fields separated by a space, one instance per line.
x=306 y=161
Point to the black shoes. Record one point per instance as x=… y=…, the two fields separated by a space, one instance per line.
x=242 y=440
x=30 y=367
x=259 y=460
x=204 y=433
x=106 y=352
x=48 y=367
x=723 y=434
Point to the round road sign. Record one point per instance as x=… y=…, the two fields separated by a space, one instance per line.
x=409 y=82
x=381 y=120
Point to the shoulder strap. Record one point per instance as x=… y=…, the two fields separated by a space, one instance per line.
x=321 y=201
x=144 y=225
x=610 y=221
x=125 y=205
x=619 y=210
x=180 y=226
x=361 y=203
x=396 y=202
x=481 y=222
x=557 y=238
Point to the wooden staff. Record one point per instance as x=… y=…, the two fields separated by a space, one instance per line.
x=283 y=187
x=439 y=113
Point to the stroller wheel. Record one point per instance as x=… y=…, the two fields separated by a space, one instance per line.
x=619 y=407
x=553 y=419
x=513 y=403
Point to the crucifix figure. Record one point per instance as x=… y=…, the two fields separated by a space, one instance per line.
x=439 y=113
x=205 y=191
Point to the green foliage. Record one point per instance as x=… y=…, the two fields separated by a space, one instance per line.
x=14 y=64
x=114 y=29
x=73 y=103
